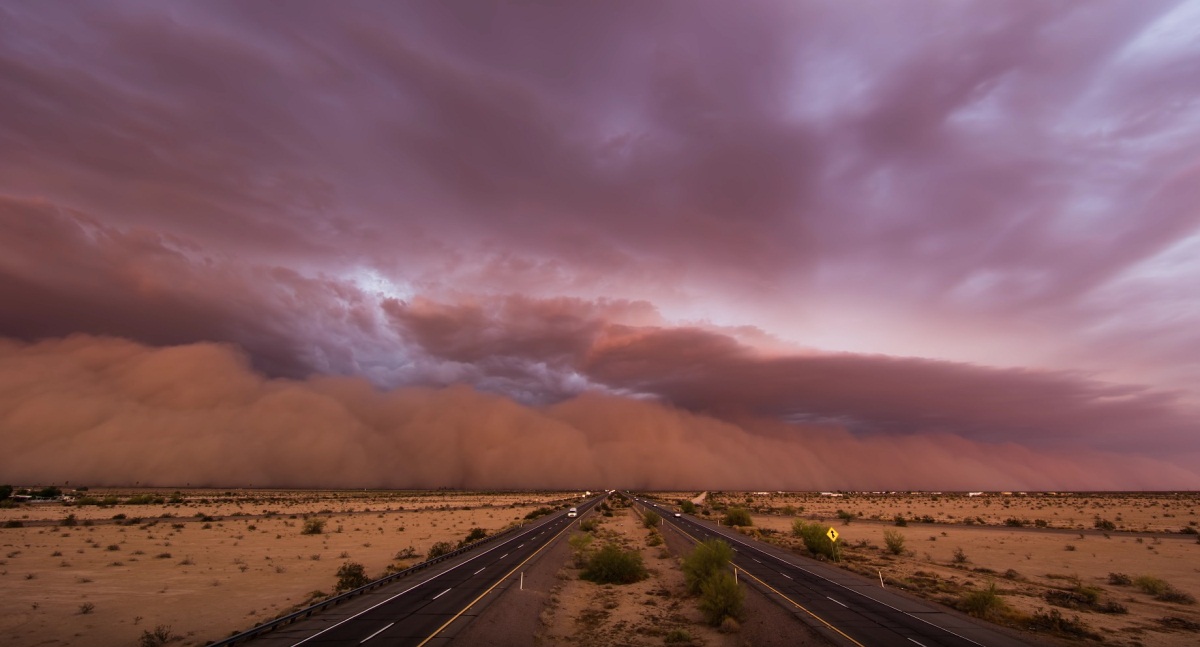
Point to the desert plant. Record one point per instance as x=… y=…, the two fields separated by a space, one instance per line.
x=738 y=517
x=900 y=521
x=581 y=545
x=960 y=557
x=708 y=557
x=677 y=637
x=1151 y=585
x=687 y=507
x=650 y=519
x=440 y=548
x=86 y=608
x=613 y=565
x=313 y=526
x=351 y=575
x=1104 y=524
x=1119 y=579
x=846 y=516
x=894 y=541
x=157 y=638
x=721 y=598
x=816 y=540
x=589 y=525
x=475 y=535
x=984 y=603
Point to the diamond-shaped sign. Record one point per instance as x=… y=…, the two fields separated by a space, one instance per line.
x=832 y=534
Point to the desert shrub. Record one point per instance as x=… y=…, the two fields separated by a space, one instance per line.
x=1119 y=579
x=540 y=512
x=1104 y=524
x=70 y=520
x=687 y=507
x=13 y=523
x=960 y=557
x=351 y=575
x=1151 y=585
x=157 y=638
x=894 y=541
x=708 y=557
x=613 y=565
x=845 y=516
x=678 y=637
x=1056 y=622
x=1014 y=522
x=650 y=519
x=738 y=517
x=984 y=603
x=475 y=535
x=900 y=521
x=589 y=525
x=721 y=598
x=5 y=491
x=655 y=539
x=313 y=526
x=581 y=545
x=145 y=499
x=1175 y=596
x=440 y=548
x=815 y=539
x=86 y=608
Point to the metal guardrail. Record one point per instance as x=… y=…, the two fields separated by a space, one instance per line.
x=343 y=597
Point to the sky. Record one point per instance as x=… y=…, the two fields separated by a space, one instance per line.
x=757 y=245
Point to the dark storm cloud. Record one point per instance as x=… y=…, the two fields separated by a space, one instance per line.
x=653 y=200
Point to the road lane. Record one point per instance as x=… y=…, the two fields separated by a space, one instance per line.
x=423 y=609
x=845 y=607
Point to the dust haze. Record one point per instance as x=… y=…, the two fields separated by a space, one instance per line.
x=105 y=411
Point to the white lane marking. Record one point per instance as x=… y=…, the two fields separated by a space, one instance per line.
x=786 y=575
x=478 y=571
x=916 y=642
x=756 y=560
x=389 y=626
x=504 y=555
x=521 y=546
x=829 y=598
x=839 y=584
x=376 y=606
x=448 y=590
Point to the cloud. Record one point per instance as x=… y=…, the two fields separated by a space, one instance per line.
x=970 y=219
x=712 y=371
x=106 y=411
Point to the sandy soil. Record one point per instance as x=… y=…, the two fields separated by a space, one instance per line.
x=217 y=562
x=579 y=612
x=1037 y=570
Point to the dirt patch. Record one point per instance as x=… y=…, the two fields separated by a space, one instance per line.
x=216 y=562
x=1051 y=556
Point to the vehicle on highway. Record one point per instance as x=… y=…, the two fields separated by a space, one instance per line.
x=678 y=514
x=572 y=512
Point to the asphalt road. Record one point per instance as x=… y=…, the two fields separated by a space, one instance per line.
x=426 y=608
x=845 y=607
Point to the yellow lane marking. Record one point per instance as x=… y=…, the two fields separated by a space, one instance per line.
x=780 y=594
x=506 y=576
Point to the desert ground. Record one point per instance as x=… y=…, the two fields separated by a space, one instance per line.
x=1066 y=566
x=212 y=563
x=208 y=563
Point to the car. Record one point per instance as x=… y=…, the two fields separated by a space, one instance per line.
x=678 y=514
x=572 y=512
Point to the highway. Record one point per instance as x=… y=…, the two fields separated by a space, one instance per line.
x=428 y=607
x=846 y=608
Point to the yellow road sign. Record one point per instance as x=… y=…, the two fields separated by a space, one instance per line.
x=832 y=534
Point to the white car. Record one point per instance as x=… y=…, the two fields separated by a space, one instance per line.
x=678 y=514
x=572 y=512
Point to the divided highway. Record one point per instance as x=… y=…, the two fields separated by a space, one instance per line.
x=427 y=607
x=845 y=607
